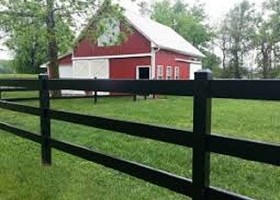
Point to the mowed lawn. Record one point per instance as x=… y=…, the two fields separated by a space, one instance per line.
x=23 y=177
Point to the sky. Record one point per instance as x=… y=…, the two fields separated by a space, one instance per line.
x=215 y=9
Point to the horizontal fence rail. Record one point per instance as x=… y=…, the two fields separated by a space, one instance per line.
x=21 y=133
x=249 y=150
x=212 y=193
x=20 y=108
x=27 y=84
x=179 y=88
x=155 y=176
x=13 y=89
x=203 y=89
x=169 y=135
x=245 y=89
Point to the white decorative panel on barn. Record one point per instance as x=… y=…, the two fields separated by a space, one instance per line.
x=89 y=69
x=65 y=71
x=81 y=69
x=99 y=68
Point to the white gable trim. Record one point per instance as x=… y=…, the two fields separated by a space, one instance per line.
x=114 y=56
x=182 y=52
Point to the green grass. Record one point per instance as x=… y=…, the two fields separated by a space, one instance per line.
x=19 y=94
x=10 y=76
x=23 y=177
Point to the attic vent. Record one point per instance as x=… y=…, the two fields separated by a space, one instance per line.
x=111 y=33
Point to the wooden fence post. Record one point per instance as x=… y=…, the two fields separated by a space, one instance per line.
x=95 y=93
x=201 y=128
x=45 y=121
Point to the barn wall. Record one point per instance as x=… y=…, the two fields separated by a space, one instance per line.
x=168 y=58
x=67 y=60
x=125 y=68
x=64 y=61
x=135 y=44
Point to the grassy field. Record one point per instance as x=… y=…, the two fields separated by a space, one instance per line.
x=23 y=177
x=18 y=76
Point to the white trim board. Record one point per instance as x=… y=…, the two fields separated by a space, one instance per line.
x=114 y=56
x=188 y=61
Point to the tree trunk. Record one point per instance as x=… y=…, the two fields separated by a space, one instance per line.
x=224 y=60
x=265 y=65
x=52 y=45
x=236 y=66
x=224 y=50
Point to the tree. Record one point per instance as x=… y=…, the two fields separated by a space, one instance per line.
x=5 y=67
x=144 y=8
x=264 y=42
x=187 y=20
x=267 y=39
x=222 y=41
x=30 y=48
x=235 y=36
x=212 y=62
x=48 y=15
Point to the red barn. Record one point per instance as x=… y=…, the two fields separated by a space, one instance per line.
x=151 y=51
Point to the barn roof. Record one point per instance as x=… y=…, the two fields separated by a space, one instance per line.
x=162 y=36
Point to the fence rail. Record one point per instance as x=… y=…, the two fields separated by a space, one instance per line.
x=203 y=89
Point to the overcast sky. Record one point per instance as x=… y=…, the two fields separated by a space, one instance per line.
x=214 y=8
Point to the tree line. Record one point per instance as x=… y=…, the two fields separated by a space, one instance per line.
x=245 y=43
x=247 y=31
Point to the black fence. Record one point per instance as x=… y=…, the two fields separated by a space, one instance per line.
x=87 y=94
x=203 y=89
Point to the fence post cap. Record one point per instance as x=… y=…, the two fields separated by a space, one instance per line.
x=203 y=74
x=43 y=76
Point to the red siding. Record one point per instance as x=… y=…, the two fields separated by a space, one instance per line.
x=125 y=68
x=136 y=43
x=66 y=60
x=168 y=58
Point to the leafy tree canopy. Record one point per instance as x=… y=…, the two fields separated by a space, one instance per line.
x=39 y=30
x=188 y=21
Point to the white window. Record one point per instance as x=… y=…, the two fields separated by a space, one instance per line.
x=177 y=73
x=159 y=72
x=111 y=34
x=169 y=73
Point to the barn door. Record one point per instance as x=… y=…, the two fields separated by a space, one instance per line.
x=99 y=69
x=65 y=71
x=143 y=72
x=81 y=69
x=90 y=69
